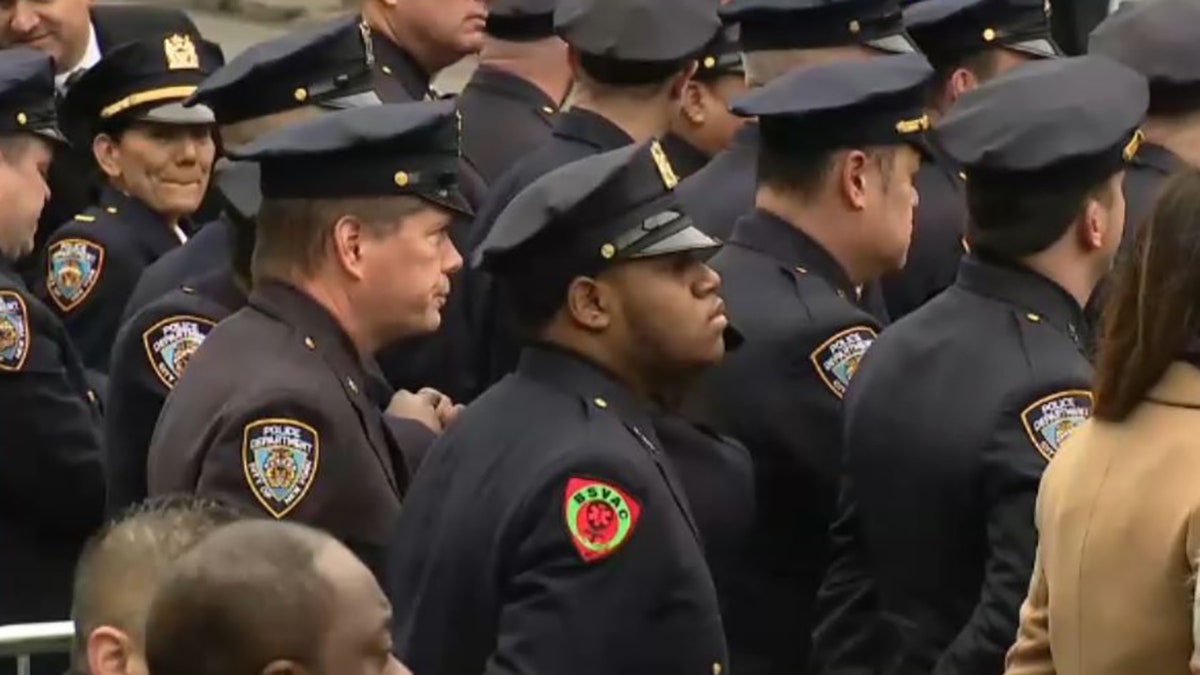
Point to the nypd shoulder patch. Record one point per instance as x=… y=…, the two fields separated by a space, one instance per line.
x=837 y=358
x=280 y=458
x=599 y=516
x=170 y=344
x=1050 y=421
x=73 y=268
x=14 y=331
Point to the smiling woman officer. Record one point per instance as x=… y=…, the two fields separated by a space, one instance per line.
x=155 y=157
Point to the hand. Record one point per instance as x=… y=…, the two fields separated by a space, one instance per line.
x=447 y=410
x=420 y=407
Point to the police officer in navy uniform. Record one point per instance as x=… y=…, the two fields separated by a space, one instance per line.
x=833 y=211
x=935 y=539
x=968 y=42
x=1160 y=40
x=547 y=531
x=631 y=59
x=157 y=156
x=328 y=66
x=703 y=124
x=510 y=102
x=50 y=465
x=278 y=410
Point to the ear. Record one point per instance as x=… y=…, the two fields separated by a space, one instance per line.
x=961 y=81
x=109 y=651
x=695 y=103
x=588 y=304
x=348 y=240
x=284 y=667
x=107 y=152
x=852 y=176
x=680 y=80
x=1093 y=225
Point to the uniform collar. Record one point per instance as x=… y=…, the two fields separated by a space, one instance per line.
x=220 y=287
x=585 y=126
x=794 y=250
x=91 y=56
x=505 y=84
x=1040 y=298
x=746 y=137
x=685 y=158
x=155 y=229
x=593 y=384
x=8 y=272
x=401 y=66
x=1159 y=158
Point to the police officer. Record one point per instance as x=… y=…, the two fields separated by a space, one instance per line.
x=703 y=125
x=415 y=39
x=156 y=156
x=968 y=43
x=251 y=96
x=1160 y=40
x=511 y=100
x=631 y=59
x=779 y=36
x=50 y=471
x=548 y=532
x=833 y=211
x=279 y=411
x=935 y=540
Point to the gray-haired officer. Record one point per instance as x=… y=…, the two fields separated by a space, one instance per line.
x=703 y=124
x=50 y=465
x=156 y=157
x=278 y=410
x=833 y=211
x=631 y=60
x=779 y=36
x=935 y=539
x=968 y=42
x=1160 y=40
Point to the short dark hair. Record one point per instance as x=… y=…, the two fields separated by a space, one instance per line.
x=1014 y=220
x=801 y=173
x=984 y=64
x=121 y=564
x=1153 y=305
x=248 y=595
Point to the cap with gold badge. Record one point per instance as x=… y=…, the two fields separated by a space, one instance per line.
x=145 y=80
x=1160 y=40
x=722 y=55
x=27 y=93
x=588 y=215
x=809 y=24
x=848 y=104
x=373 y=151
x=947 y=30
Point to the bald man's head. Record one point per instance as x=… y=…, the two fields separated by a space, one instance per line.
x=270 y=598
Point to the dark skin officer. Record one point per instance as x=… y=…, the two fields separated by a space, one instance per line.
x=830 y=217
x=560 y=534
x=50 y=464
x=935 y=539
x=279 y=411
x=955 y=36
x=156 y=157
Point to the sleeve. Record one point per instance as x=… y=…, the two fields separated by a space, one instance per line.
x=846 y=635
x=413 y=438
x=1025 y=438
x=87 y=283
x=50 y=460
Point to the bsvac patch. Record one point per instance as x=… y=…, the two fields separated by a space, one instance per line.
x=14 y=331
x=280 y=457
x=170 y=344
x=599 y=516
x=74 y=267
x=838 y=357
x=1050 y=421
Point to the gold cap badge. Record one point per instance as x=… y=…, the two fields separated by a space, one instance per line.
x=181 y=53
x=1135 y=144
x=914 y=125
x=665 y=170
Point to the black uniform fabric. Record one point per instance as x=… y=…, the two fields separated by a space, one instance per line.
x=398 y=76
x=491 y=569
x=1144 y=179
x=1073 y=20
x=780 y=394
x=686 y=158
x=279 y=414
x=73 y=182
x=51 y=477
x=505 y=118
x=149 y=357
x=206 y=253
x=93 y=264
x=578 y=133
x=723 y=191
x=939 y=228
x=935 y=539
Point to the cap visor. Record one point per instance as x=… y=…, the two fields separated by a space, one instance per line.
x=451 y=199
x=238 y=185
x=1042 y=48
x=177 y=113
x=53 y=134
x=899 y=43
x=686 y=239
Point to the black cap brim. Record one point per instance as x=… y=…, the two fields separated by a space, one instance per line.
x=897 y=43
x=450 y=198
x=1041 y=48
x=685 y=238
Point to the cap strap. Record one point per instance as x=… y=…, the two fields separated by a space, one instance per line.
x=179 y=92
